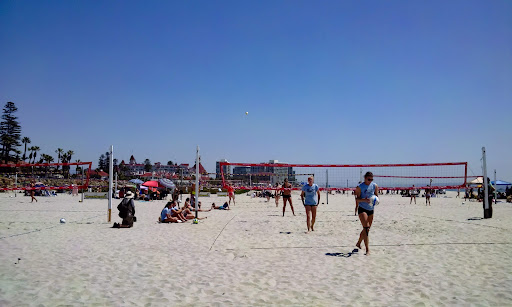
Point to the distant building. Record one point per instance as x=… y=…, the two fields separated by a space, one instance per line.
x=226 y=169
x=157 y=170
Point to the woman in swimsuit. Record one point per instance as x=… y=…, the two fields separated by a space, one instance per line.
x=287 y=195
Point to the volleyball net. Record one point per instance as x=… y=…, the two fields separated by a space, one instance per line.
x=265 y=176
x=45 y=176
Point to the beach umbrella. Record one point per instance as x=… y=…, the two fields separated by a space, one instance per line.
x=151 y=183
x=167 y=183
x=136 y=181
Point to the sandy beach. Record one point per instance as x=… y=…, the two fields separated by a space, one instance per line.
x=442 y=255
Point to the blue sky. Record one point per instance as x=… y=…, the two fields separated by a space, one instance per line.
x=323 y=81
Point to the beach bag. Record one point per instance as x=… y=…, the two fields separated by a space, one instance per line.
x=123 y=208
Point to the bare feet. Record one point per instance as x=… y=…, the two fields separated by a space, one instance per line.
x=358 y=245
x=312 y=229
x=367 y=252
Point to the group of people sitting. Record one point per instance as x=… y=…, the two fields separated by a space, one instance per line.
x=172 y=213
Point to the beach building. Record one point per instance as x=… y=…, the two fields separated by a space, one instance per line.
x=226 y=169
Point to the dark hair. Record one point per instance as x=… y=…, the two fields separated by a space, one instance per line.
x=188 y=199
x=368 y=174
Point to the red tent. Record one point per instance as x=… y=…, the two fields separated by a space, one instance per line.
x=147 y=175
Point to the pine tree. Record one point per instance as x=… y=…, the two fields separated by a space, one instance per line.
x=10 y=131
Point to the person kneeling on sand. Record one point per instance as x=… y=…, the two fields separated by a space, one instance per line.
x=223 y=207
x=126 y=211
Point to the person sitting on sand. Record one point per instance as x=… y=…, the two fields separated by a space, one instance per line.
x=223 y=207
x=166 y=216
x=126 y=211
x=192 y=208
x=179 y=213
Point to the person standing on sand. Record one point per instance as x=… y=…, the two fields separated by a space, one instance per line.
x=413 y=195
x=287 y=195
x=308 y=192
x=363 y=193
x=32 y=192
x=277 y=193
x=231 y=193
x=427 y=196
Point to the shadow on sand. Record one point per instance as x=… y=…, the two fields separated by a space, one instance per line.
x=344 y=255
x=475 y=218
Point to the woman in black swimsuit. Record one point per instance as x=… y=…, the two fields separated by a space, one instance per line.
x=287 y=195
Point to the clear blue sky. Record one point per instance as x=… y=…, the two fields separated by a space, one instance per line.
x=323 y=81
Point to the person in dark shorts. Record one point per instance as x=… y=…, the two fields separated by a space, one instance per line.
x=287 y=195
x=427 y=196
x=223 y=207
x=309 y=191
x=413 y=195
x=363 y=192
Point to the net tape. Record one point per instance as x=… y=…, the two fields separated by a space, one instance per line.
x=21 y=166
x=390 y=176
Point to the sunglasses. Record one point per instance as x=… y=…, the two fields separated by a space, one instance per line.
x=369 y=179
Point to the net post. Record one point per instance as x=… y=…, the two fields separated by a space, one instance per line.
x=16 y=184
x=197 y=181
x=495 y=189
x=82 y=199
x=486 y=191
x=327 y=186
x=110 y=182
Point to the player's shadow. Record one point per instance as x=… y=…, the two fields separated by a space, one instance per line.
x=344 y=255
x=475 y=218
x=286 y=232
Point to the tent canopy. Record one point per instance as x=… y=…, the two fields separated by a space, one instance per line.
x=479 y=180
x=501 y=182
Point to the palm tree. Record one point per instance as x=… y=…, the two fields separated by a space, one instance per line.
x=35 y=149
x=59 y=153
x=26 y=140
x=17 y=152
x=65 y=159
x=78 y=168
x=70 y=153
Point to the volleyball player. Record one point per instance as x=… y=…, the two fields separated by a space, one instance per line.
x=231 y=193
x=287 y=195
x=308 y=200
x=413 y=195
x=364 y=191
x=277 y=193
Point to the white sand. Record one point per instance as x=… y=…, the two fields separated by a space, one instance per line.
x=421 y=256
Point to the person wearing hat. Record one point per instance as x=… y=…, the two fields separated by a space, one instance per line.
x=126 y=211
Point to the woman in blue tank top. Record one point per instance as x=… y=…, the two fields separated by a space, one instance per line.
x=364 y=208
x=308 y=194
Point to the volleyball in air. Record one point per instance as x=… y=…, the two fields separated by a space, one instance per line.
x=63 y=221
x=374 y=200
x=246 y=113
x=195 y=221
